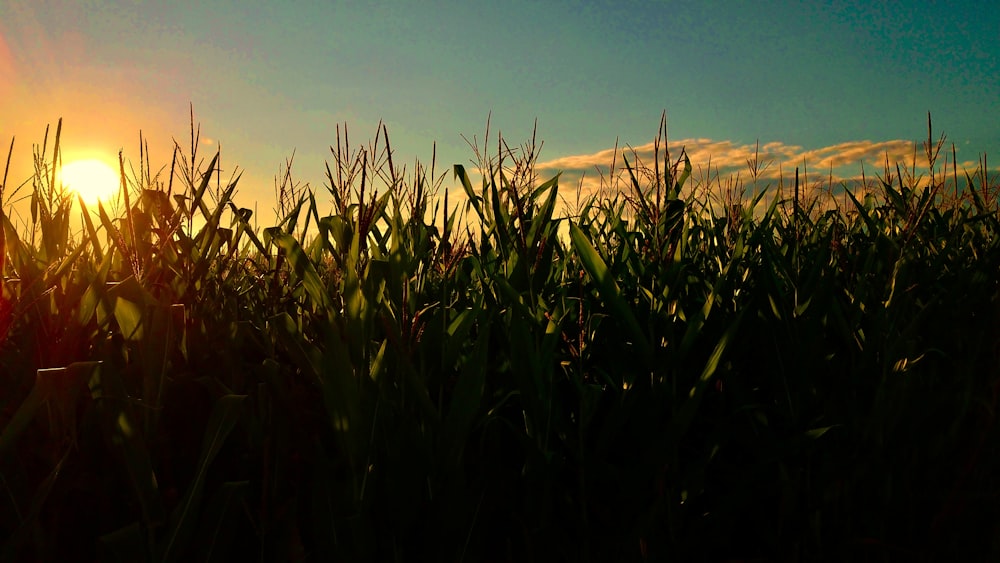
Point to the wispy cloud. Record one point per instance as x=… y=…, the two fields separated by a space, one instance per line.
x=719 y=163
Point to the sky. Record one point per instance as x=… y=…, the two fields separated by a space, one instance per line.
x=813 y=84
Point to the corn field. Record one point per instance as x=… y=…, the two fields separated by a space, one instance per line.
x=387 y=375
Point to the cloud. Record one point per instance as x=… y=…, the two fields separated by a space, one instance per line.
x=720 y=165
x=729 y=156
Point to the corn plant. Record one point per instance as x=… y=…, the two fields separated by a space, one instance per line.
x=393 y=373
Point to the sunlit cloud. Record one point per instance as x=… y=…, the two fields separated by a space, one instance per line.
x=729 y=157
x=725 y=165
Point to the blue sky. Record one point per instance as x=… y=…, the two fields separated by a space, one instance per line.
x=809 y=80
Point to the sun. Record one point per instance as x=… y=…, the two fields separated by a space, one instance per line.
x=93 y=179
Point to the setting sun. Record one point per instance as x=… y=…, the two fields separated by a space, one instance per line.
x=93 y=179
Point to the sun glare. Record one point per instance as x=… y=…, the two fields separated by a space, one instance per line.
x=93 y=179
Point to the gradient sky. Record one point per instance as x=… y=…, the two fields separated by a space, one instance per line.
x=841 y=81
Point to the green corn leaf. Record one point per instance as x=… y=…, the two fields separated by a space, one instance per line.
x=128 y=543
x=543 y=220
x=109 y=392
x=91 y=231
x=501 y=222
x=341 y=390
x=468 y=394
x=66 y=264
x=303 y=268
x=217 y=532
x=304 y=353
x=184 y=520
x=458 y=331
x=198 y=196
x=129 y=302
x=30 y=521
x=608 y=288
x=23 y=416
x=685 y=174
x=863 y=211
x=475 y=200
x=242 y=216
x=60 y=388
x=819 y=432
x=115 y=235
x=689 y=407
x=640 y=197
